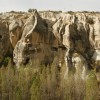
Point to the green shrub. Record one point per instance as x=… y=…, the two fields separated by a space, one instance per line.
x=6 y=60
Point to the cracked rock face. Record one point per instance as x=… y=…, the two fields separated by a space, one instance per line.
x=45 y=36
x=80 y=34
x=15 y=29
x=35 y=42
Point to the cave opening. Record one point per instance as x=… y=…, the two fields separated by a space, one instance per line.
x=0 y=36
x=26 y=61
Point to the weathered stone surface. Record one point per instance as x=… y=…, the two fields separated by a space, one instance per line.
x=46 y=36
x=79 y=33
x=80 y=64
x=15 y=29
x=35 y=43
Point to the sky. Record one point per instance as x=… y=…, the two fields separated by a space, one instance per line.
x=64 y=5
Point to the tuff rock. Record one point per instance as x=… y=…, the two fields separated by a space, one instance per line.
x=48 y=36
x=36 y=42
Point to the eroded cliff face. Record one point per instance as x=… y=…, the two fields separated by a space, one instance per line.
x=80 y=34
x=42 y=37
x=35 y=43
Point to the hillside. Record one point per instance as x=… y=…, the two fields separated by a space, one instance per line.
x=52 y=38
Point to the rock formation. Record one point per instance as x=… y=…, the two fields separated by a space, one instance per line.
x=35 y=43
x=44 y=36
x=15 y=29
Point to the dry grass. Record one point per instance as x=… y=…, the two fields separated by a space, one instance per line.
x=44 y=83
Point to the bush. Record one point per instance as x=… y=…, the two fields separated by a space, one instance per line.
x=31 y=10
x=6 y=61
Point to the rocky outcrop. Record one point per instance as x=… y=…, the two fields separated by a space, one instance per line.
x=45 y=36
x=15 y=29
x=80 y=34
x=35 y=43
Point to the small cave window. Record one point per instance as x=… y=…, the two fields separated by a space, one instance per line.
x=26 y=61
x=98 y=45
x=0 y=36
x=54 y=49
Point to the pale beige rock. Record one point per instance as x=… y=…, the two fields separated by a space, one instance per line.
x=15 y=29
x=42 y=37
x=81 y=67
